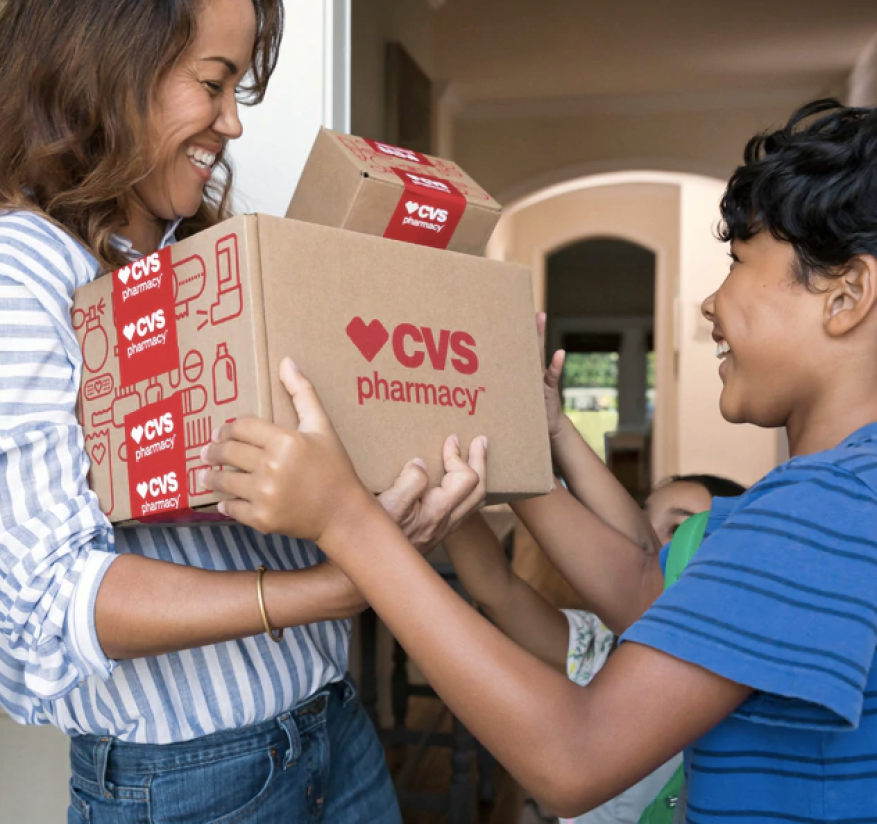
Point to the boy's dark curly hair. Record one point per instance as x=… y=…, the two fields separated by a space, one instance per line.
x=813 y=184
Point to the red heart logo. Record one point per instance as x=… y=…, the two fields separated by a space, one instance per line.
x=368 y=338
x=99 y=452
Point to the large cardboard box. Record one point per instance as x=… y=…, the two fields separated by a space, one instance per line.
x=405 y=345
x=378 y=189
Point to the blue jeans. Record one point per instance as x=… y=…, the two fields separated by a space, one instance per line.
x=320 y=762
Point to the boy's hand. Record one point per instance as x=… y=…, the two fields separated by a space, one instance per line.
x=295 y=482
x=551 y=381
x=291 y=481
x=425 y=515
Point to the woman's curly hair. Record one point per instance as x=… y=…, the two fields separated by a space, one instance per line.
x=77 y=79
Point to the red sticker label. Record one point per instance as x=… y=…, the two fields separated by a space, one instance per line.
x=398 y=153
x=156 y=458
x=146 y=325
x=428 y=211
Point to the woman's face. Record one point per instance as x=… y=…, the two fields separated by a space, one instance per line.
x=195 y=110
x=669 y=505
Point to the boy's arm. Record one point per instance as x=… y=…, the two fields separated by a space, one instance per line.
x=509 y=601
x=530 y=716
x=616 y=579
x=587 y=477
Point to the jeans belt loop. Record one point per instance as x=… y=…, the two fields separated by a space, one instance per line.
x=101 y=760
x=287 y=724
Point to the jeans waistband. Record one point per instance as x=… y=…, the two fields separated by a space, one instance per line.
x=93 y=757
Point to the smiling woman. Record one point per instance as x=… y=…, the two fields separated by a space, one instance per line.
x=100 y=96
x=153 y=647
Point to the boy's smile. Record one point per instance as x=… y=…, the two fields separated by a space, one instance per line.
x=767 y=327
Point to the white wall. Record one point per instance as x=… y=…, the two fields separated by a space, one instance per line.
x=33 y=774
x=310 y=87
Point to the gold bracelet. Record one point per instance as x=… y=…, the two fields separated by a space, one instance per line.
x=276 y=638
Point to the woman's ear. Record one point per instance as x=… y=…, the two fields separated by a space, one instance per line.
x=850 y=298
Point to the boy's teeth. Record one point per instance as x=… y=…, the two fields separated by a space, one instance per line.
x=722 y=348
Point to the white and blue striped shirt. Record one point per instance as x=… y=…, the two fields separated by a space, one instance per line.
x=56 y=545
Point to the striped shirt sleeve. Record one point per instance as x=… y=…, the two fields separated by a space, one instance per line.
x=781 y=597
x=55 y=544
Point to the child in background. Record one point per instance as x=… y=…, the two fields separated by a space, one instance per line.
x=574 y=641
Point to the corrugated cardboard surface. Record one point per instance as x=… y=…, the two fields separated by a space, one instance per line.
x=218 y=302
x=348 y=185
x=257 y=288
x=316 y=280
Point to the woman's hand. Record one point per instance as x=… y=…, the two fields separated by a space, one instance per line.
x=291 y=481
x=551 y=382
x=426 y=515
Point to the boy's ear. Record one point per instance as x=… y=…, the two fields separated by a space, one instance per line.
x=851 y=297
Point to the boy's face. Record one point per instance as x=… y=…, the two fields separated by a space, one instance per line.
x=768 y=329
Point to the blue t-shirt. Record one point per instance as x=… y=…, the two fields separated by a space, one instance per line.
x=782 y=597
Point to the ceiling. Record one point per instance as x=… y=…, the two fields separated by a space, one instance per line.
x=518 y=56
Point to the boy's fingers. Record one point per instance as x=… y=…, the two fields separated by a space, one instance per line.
x=253 y=431
x=555 y=369
x=240 y=455
x=308 y=407
x=540 y=331
x=478 y=464
x=226 y=482
x=237 y=510
x=408 y=488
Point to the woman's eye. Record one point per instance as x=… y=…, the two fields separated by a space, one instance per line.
x=213 y=87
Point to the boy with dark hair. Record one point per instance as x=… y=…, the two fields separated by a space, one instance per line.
x=759 y=660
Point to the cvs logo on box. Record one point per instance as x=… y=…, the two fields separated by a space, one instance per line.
x=413 y=344
x=144 y=317
x=144 y=326
x=156 y=458
x=412 y=347
x=161 y=485
x=428 y=211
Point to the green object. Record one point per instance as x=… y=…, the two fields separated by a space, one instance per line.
x=685 y=543
x=661 y=810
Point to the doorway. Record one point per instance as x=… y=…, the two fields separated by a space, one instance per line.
x=600 y=299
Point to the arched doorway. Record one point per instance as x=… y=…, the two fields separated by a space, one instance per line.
x=600 y=300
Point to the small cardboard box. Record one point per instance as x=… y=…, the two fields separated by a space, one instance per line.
x=372 y=187
x=405 y=345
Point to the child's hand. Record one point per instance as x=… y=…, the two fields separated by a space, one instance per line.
x=291 y=481
x=551 y=381
x=425 y=515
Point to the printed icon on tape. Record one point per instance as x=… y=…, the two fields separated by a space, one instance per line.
x=398 y=153
x=145 y=318
x=428 y=211
x=156 y=458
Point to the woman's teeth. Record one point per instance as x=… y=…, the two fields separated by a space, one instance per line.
x=200 y=158
x=723 y=348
